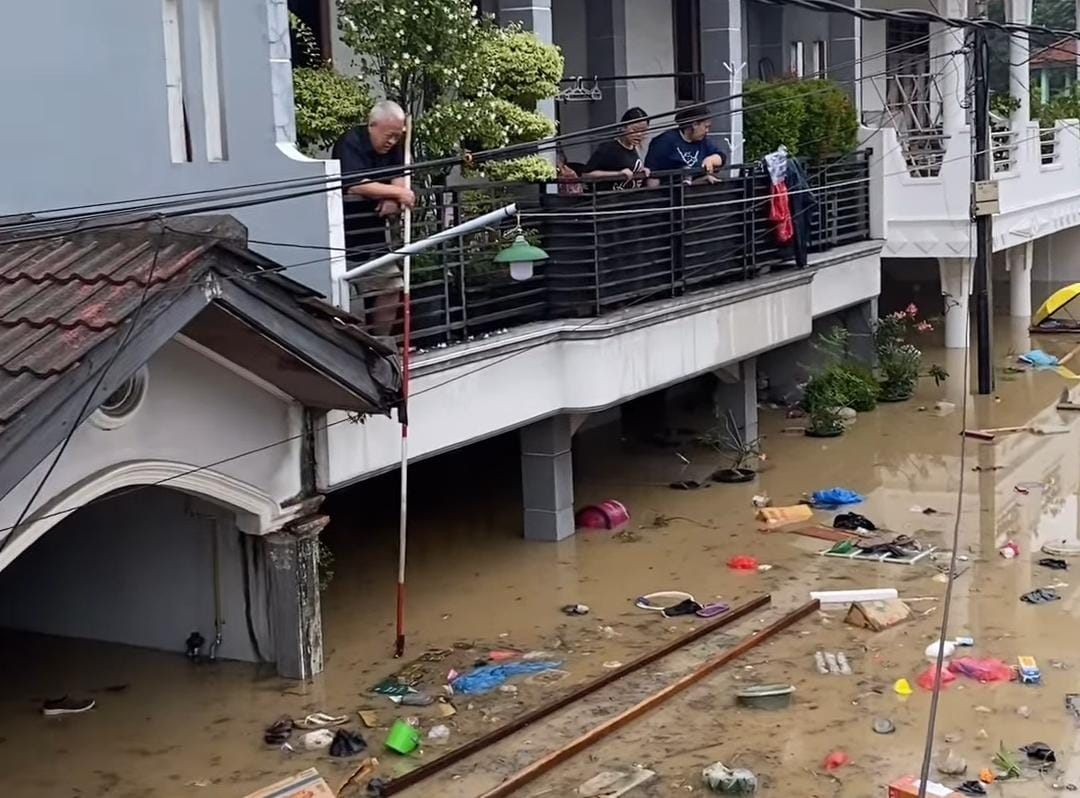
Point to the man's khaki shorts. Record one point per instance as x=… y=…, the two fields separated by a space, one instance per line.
x=383 y=280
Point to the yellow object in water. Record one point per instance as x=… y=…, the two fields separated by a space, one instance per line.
x=1056 y=302
x=902 y=687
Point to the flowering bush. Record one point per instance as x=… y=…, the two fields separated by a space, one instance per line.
x=899 y=362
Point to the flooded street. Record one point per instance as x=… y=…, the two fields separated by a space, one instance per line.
x=164 y=727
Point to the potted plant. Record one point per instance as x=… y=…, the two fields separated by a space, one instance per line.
x=848 y=382
x=823 y=408
x=731 y=441
x=900 y=362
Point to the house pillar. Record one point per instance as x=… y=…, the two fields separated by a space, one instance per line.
x=535 y=16
x=859 y=321
x=605 y=25
x=724 y=65
x=951 y=71
x=845 y=50
x=547 y=478
x=295 y=616
x=1018 y=261
x=736 y=392
x=1019 y=12
x=955 y=289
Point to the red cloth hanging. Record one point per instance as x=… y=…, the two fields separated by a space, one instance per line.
x=780 y=213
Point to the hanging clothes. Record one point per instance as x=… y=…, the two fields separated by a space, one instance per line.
x=779 y=203
x=803 y=202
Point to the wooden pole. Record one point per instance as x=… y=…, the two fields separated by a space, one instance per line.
x=543 y=765
x=520 y=722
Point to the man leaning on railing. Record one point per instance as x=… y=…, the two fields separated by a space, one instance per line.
x=687 y=147
x=372 y=202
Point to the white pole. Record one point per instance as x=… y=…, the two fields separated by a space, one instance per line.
x=403 y=410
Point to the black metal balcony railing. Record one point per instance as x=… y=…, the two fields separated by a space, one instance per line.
x=608 y=249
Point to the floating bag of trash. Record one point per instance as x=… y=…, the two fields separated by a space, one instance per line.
x=722 y=779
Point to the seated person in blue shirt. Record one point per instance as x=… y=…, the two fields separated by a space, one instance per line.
x=686 y=147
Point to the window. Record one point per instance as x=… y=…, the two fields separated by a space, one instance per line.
x=313 y=47
x=179 y=138
x=122 y=403
x=821 y=59
x=687 y=29
x=796 y=60
x=213 y=91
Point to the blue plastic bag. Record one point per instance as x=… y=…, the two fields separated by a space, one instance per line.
x=488 y=677
x=1039 y=359
x=835 y=497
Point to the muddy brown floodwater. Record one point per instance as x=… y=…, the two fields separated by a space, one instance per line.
x=165 y=728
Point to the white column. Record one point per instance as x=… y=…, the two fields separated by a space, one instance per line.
x=547 y=478
x=1019 y=11
x=955 y=289
x=951 y=72
x=1018 y=260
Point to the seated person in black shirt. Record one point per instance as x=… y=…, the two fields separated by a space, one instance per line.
x=370 y=202
x=617 y=163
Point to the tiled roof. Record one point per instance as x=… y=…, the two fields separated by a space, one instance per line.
x=61 y=297
x=1059 y=54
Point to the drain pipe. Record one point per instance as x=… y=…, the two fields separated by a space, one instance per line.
x=219 y=621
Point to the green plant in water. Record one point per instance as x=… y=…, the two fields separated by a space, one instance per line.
x=729 y=439
x=823 y=411
x=900 y=362
x=842 y=377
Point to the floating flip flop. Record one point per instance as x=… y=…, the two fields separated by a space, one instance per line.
x=320 y=720
x=278 y=732
x=684 y=607
x=659 y=601
x=712 y=610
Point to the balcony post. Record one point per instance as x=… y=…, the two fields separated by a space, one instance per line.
x=955 y=290
x=1018 y=261
x=950 y=72
x=724 y=65
x=1019 y=11
x=547 y=478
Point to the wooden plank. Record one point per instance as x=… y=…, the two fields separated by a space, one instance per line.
x=541 y=766
x=470 y=748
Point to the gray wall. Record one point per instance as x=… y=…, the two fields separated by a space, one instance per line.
x=86 y=120
x=138 y=569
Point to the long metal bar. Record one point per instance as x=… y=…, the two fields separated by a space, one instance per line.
x=403 y=409
x=520 y=722
x=543 y=765
x=415 y=248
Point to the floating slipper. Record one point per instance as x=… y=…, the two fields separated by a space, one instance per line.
x=656 y=602
x=318 y=740
x=346 y=743
x=684 y=607
x=278 y=732
x=320 y=720
x=712 y=610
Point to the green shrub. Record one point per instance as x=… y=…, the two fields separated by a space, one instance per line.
x=812 y=117
x=327 y=104
x=846 y=384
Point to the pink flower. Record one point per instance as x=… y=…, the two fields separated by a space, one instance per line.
x=912 y=310
x=924 y=326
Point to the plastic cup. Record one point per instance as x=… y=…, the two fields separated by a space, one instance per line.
x=402 y=738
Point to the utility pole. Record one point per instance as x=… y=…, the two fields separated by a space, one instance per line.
x=984 y=203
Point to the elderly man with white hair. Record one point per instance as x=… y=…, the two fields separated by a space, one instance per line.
x=370 y=202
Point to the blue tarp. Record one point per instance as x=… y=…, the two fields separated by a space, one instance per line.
x=488 y=677
x=835 y=497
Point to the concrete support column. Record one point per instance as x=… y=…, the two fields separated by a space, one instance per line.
x=1018 y=260
x=845 y=50
x=724 y=64
x=736 y=392
x=295 y=616
x=547 y=478
x=956 y=289
x=951 y=72
x=535 y=16
x=605 y=29
x=1019 y=12
x=859 y=321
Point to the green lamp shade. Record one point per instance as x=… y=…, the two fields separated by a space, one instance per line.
x=521 y=255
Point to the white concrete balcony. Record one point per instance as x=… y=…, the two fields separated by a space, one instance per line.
x=1038 y=174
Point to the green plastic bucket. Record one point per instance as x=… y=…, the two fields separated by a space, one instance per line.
x=402 y=738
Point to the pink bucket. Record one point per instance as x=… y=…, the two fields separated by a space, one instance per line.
x=608 y=514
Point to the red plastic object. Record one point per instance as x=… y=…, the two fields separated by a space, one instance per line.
x=984 y=670
x=502 y=656
x=608 y=514
x=835 y=761
x=743 y=563
x=927 y=677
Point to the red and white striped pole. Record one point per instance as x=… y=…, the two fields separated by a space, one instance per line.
x=403 y=410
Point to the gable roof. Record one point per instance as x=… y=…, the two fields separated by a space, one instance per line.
x=1060 y=54
x=74 y=306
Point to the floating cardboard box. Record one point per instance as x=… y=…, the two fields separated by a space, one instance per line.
x=878 y=615
x=908 y=787
x=308 y=784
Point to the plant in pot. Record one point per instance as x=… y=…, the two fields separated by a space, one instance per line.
x=823 y=407
x=731 y=441
x=846 y=380
x=900 y=362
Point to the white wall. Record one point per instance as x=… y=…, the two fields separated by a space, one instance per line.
x=87 y=121
x=195 y=412
x=649 y=50
x=138 y=569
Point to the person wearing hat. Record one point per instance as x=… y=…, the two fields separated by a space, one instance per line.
x=688 y=146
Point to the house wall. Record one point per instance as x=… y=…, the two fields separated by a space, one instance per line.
x=195 y=412
x=139 y=569
x=88 y=120
x=649 y=50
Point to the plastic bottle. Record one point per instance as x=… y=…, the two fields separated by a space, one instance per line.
x=830 y=660
x=841 y=660
x=819 y=660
